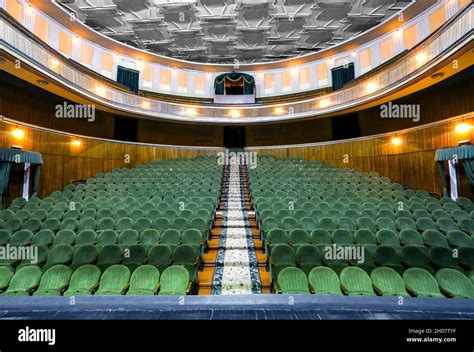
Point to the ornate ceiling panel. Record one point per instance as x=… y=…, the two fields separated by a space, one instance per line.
x=232 y=31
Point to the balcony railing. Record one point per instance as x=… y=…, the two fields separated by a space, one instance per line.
x=452 y=36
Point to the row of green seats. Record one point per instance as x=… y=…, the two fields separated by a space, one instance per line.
x=132 y=256
x=88 y=279
x=382 y=281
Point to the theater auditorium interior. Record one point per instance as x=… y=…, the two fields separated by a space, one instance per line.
x=236 y=159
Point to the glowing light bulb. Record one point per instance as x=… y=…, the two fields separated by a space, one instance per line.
x=396 y=141
x=279 y=110
x=101 y=91
x=324 y=103
x=54 y=63
x=421 y=58
x=234 y=113
x=372 y=87
x=18 y=133
x=463 y=127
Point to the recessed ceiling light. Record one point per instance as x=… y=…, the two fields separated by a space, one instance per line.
x=42 y=82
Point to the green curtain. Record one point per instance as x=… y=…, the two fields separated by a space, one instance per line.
x=442 y=175
x=128 y=77
x=464 y=153
x=248 y=82
x=469 y=167
x=36 y=178
x=20 y=156
x=5 y=168
x=9 y=156
x=342 y=75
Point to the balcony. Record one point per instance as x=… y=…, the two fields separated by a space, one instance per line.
x=451 y=38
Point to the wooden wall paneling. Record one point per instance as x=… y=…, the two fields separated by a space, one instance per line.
x=411 y=163
x=64 y=163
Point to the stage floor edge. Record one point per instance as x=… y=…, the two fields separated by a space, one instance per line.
x=235 y=307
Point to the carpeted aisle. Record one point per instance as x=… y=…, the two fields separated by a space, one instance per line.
x=236 y=262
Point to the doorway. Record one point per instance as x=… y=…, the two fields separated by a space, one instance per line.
x=234 y=137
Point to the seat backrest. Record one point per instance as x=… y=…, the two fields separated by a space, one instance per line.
x=55 y=278
x=26 y=278
x=171 y=236
x=184 y=254
x=324 y=280
x=86 y=277
x=115 y=278
x=356 y=281
x=308 y=253
x=145 y=277
x=421 y=282
x=174 y=280
x=293 y=281
x=283 y=254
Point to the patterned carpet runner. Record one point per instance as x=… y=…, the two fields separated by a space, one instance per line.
x=236 y=263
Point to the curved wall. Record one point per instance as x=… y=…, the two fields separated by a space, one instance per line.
x=410 y=163
x=449 y=43
x=451 y=97
x=65 y=162
x=272 y=79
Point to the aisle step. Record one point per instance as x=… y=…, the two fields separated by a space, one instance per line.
x=205 y=279
x=209 y=258
x=214 y=244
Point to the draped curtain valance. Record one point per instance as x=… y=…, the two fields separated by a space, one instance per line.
x=20 y=156
x=248 y=82
x=461 y=153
